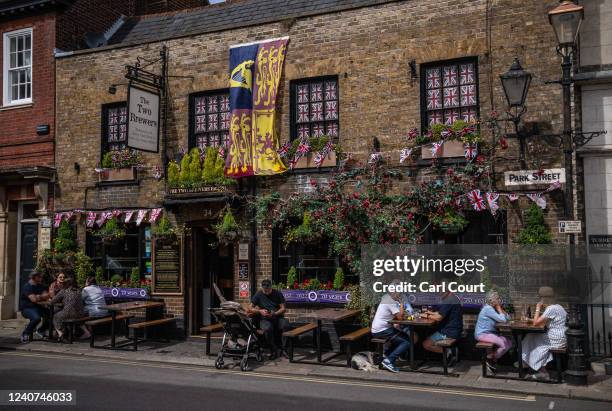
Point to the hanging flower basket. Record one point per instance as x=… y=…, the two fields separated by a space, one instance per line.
x=450 y=223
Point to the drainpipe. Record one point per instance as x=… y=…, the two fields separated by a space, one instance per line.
x=253 y=243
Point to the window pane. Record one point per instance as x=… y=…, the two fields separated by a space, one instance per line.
x=28 y=42
x=27 y=58
x=13 y=60
x=316 y=108
x=29 y=90
x=22 y=76
x=22 y=91
x=13 y=43
x=211 y=114
x=20 y=43
x=14 y=92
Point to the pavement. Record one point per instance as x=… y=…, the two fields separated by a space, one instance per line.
x=190 y=353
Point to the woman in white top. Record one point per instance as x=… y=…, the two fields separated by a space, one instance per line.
x=536 y=347
x=93 y=299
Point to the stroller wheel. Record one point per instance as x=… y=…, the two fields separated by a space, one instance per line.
x=244 y=364
x=219 y=363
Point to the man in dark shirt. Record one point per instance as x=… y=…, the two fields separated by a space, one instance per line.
x=450 y=323
x=269 y=304
x=32 y=294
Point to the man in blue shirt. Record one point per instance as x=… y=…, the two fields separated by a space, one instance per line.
x=449 y=318
x=32 y=294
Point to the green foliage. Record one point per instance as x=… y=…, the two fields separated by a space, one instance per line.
x=219 y=170
x=184 y=173
x=316 y=145
x=302 y=233
x=116 y=279
x=64 y=240
x=292 y=277
x=174 y=172
x=339 y=279
x=314 y=284
x=208 y=172
x=450 y=222
x=357 y=302
x=107 y=160
x=227 y=229
x=163 y=228
x=534 y=230
x=83 y=268
x=99 y=275
x=135 y=276
x=263 y=204
x=195 y=166
x=111 y=231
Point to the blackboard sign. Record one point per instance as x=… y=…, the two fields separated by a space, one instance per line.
x=600 y=244
x=243 y=271
x=166 y=267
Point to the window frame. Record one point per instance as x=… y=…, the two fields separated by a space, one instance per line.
x=104 y=125
x=6 y=63
x=293 y=85
x=440 y=63
x=192 y=140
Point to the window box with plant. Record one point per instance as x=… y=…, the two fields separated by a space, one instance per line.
x=316 y=146
x=454 y=139
x=120 y=165
x=312 y=290
x=195 y=175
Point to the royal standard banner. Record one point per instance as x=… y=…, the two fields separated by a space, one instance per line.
x=268 y=72
x=255 y=72
x=239 y=162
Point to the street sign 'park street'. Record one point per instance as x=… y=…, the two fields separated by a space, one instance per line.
x=534 y=177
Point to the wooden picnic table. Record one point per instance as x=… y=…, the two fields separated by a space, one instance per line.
x=416 y=322
x=329 y=314
x=519 y=329
x=127 y=306
x=51 y=310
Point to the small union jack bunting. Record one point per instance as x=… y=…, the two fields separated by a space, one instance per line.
x=303 y=147
x=554 y=186
x=436 y=148
x=538 y=199
x=375 y=158
x=222 y=152
x=512 y=197
x=284 y=150
x=318 y=159
x=155 y=213
x=105 y=215
x=141 y=216
x=476 y=200
x=492 y=198
x=404 y=154
x=57 y=220
x=128 y=216
x=91 y=219
x=470 y=151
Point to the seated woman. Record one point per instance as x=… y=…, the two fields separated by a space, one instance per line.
x=93 y=299
x=491 y=314
x=57 y=285
x=72 y=308
x=537 y=346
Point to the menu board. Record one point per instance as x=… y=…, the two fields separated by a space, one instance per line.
x=167 y=268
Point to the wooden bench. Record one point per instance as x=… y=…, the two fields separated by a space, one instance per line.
x=557 y=354
x=146 y=324
x=296 y=332
x=379 y=344
x=486 y=348
x=447 y=344
x=208 y=330
x=71 y=326
x=106 y=320
x=350 y=338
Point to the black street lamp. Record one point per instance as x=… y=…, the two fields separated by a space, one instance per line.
x=516 y=83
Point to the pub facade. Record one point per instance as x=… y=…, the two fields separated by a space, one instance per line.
x=366 y=77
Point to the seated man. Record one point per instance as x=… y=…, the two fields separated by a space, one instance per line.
x=391 y=307
x=449 y=317
x=33 y=293
x=269 y=304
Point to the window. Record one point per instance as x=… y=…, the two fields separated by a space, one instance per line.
x=17 y=73
x=114 y=127
x=134 y=250
x=315 y=108
x=450 y=92
x=209 y=119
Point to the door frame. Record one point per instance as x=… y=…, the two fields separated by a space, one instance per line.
x=20 y=221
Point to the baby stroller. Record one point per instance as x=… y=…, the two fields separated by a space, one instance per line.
x=240 y=338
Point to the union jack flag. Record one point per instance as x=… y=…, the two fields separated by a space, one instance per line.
x=113 y=117
x=450 y=76
x=123 y=115
x=331 y=110
x=468 y=95
x=404 y=154
x=554 y=186
x=492 y=198
x=375 y=158
x=302 y=113
x=57 y=219
x=318 y=159
x=225 y=103
x=200 y=106
x=470 y=151
x=226 y=120
x=222 y=152
x=538 y=199
x=332 y=129
x=468 y=114
x=467 y=74
x=213 y=122
x=433 y=78
x=434 y=101
x=316 y=112
x=200 y=123
x=436 y=148
x=512 y=197
x=412 y=133
x=435 y=117
x=302 y=94
x=284 y=150
x=318 y=130
x=212 y=104
x=91 y=219
x=303 y=147
x=316 y=92
x=330 y=91
x=476 y=200
x=451 y=116
x=446 y=133
x=303 y=131
x=451 y=97
x=122 y=131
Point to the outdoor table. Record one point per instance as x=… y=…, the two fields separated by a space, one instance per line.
x=333 y=315
x=127 y=306
x=417 y=322
x=519 y=329
x=51 y=308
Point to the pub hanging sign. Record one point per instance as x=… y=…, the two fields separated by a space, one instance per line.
x=143 y=119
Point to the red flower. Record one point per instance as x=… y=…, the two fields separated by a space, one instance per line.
x=366 y=203
x=355 y=194
x=296 y=285
x=450 y=171
x=503 y=143
x=313 y=182
x=480 y=159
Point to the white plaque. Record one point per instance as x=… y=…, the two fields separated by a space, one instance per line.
x=243 y=251
x=534 y=177
x=570 y=227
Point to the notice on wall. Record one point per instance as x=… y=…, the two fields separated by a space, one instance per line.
x=243 y=289
x=243 y=271
x=243 y=251
x=166 y=268
x=143 y=120
x=534 y=177
x=570 y=227
x=600 y=244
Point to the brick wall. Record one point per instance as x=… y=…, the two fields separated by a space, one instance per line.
x=368 y=49
x=20 y=146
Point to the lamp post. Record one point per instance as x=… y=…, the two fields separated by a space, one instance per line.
x=566 y=20
x=516 y=83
